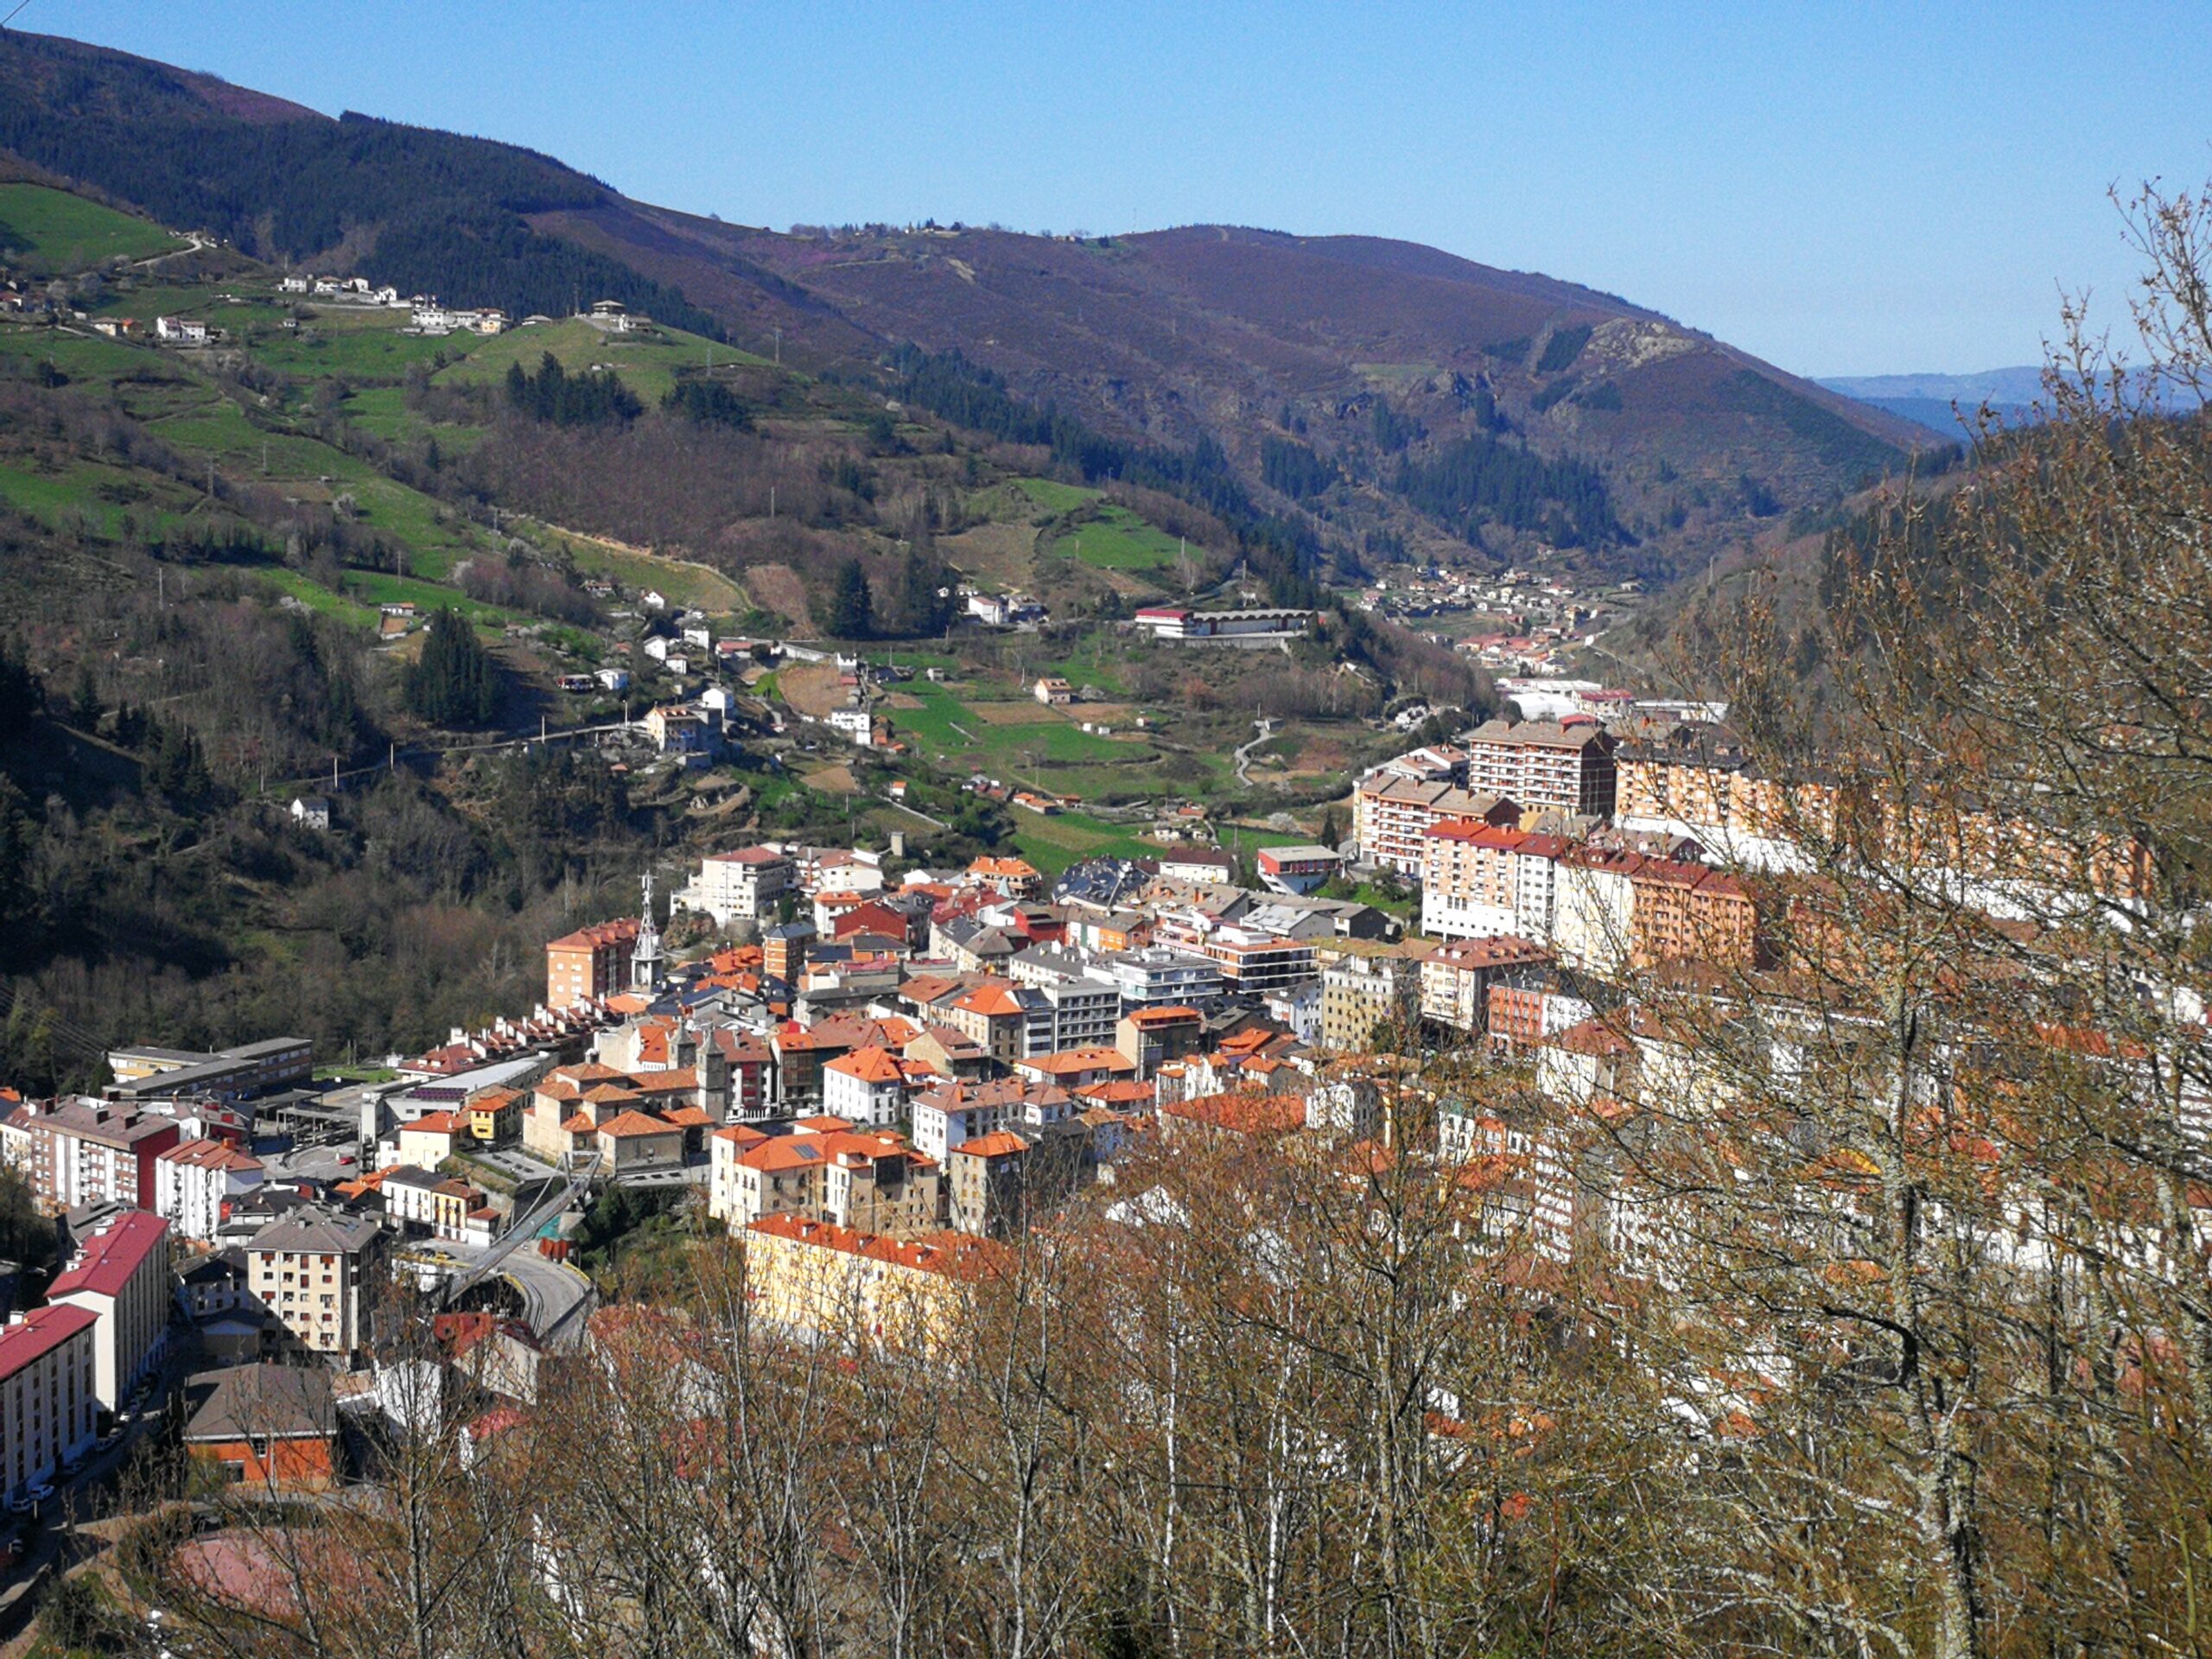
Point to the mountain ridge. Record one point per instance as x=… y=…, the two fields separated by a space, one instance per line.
x=1383 y=360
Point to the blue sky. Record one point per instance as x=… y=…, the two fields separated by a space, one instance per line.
x=1844 y=189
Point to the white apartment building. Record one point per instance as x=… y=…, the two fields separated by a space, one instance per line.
x=1155 y=976
x=47 y=1368
x=742 y=886
x=194 y=1182
x=866 y=1086
x=952 y=1116
x=1478 y=880
x=121 y=1276
x=1083 y=1011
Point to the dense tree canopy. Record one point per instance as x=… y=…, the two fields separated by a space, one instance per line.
x=455 y=682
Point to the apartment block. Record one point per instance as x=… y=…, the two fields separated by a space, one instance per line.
x=196 y=1182
x=1567 y=763
x=83 y=1151
x=1362 y=992
x=1480 y=879
x=121 y=1276
x=1392 y=812
x=49 y=1364
x=318 y=1272
x=741 y=885
x=1458 y=982
x=591 y=963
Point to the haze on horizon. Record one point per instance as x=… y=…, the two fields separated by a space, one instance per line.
x=1858 y=191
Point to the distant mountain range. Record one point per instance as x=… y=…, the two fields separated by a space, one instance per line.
x=1377 y=398
x=1947 y=403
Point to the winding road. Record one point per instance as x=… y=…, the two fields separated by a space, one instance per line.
x=1266 y=728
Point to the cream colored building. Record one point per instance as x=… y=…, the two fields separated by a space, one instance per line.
x=121 y=1276
x=820 y=1280
x=317 y=1272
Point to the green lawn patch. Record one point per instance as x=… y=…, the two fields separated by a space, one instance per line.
x=692 y=586
x=1113 y=539
x=1054 y=496
x=51 y=231
x=647 y=362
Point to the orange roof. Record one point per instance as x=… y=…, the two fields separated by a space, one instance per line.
x=1003 y=867
x=578 y=1124
x=1094 y=1058
x=432 y=1123
x=990 y=1000
x=1176 y=1015
x=1118 y=1091
x=1247 y=1114
x=946 y=1253
x=741 y=1134
x=635 y=1123
x=995 y=1145
x=868 y=1065
x=689 y=1118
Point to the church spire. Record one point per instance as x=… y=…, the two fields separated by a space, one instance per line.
x=647 y=968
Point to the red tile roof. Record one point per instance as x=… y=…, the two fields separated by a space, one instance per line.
x=111 y=1256
x=628 y=1124
x=39 y=1333
x=1247 y=1114
x=997 y=1145
x=868 y=1065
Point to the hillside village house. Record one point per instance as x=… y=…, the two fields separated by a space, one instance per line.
x=741 y=886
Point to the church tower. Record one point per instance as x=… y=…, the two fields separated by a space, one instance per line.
x=648 y=969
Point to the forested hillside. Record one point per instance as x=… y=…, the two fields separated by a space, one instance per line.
x=1454 y=411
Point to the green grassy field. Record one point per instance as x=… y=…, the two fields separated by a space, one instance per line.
x=690 y=585
x=361 y=344
x=53 y=230
x=647 y=363
x=81 y=357
x=1113 y=539
x=102 y=493
x=383 y=411
x=319 y=599
x=1053 y=844
x=1054 y=496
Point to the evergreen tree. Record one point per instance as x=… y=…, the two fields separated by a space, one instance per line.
x=19 y=690
x=852 y=607
x=924 y=594
x=457 y=682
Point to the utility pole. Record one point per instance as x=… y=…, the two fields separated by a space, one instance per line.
x=779 y=345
